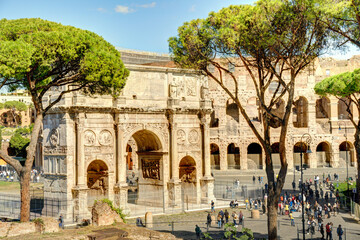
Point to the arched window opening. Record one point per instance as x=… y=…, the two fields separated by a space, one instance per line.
x=300 y=147
x=300 y=113
x=323 y=108
x=233 y=156
x=344 y=106
x=254 y=153
x=323 y=155
x=215 y=156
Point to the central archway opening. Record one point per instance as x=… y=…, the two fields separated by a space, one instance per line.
x=187 y=175
x=150 y=179
x=97 y=181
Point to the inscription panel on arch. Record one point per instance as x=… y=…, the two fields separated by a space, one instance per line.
x=150 y=168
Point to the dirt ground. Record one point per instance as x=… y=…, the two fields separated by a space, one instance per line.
x=82 y=233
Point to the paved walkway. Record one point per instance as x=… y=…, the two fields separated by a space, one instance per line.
x=183 y=225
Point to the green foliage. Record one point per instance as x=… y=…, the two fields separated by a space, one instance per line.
x=231 y=232
x=343 y=18
x=207 y=236
x=262 y=31
x=117 y=210
x=19 y=106
x=1 y=106
x=341 y=85
x=56 y=55
x=18 y=145
x=24 y=130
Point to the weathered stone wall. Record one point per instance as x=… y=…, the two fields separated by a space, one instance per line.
x=321 y=130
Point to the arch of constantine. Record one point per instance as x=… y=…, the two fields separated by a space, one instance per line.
x=170 y=128
x=162 y=119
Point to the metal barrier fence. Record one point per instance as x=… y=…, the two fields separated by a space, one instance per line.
x=149 y=202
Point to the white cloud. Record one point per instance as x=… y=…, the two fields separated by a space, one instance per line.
x=101 y=10
x=123 y=9
x=192 y=9
x=150 y=5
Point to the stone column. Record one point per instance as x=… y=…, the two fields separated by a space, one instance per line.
x=80 y=160
x=174 y=185
x=243 y=156
x=223 y=156
x=207 y=181
x=120 y=190
x=80 y=190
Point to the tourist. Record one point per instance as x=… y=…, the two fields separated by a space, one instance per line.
x=246 y=203
x=197 y=231
x=340 y=232
x=241 y=218
x=254 y=179
x=61 y=221
x=329 y=231
x=235 y=218
x=236 y=204
x=212 y=206
x=219 y=220
x=293 y=185
x=292 y=219
x=139 y=223
x=226 y=215
x=322 y=232
x=208 y=220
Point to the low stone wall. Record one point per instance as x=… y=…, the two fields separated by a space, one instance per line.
x=10 y=229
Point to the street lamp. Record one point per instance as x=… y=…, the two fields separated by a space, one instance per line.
x=346 y=153
x=308 y=141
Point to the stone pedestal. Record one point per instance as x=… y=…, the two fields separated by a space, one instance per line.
x=81 y=210
x=121 y=195
x=207 y=189
x=255 y=214
x=148 y=220
x=174 y=187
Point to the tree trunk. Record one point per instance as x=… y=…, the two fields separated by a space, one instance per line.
x=25 y=196
x=272 y=218
x=26 y=171
x=357 y=149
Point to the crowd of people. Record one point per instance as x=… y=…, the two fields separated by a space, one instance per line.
x=319 y=205
x=11 y=175
x=7 y=175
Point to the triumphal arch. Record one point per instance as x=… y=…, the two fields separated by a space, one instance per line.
x=162 y=118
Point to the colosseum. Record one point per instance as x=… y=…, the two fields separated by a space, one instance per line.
x=170 y=128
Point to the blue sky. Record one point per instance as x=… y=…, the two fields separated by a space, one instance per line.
x=132 y=24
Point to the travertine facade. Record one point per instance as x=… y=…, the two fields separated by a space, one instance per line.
x=165 y=112
x=233 y=144
x=172 y=126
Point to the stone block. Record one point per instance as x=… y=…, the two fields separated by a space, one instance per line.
x=50 y=224
x=4 y=228
x=103 y=215
x=17 y=229
x=255 y=214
